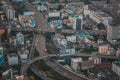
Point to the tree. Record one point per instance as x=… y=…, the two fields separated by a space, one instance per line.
x=101 y=26
x=86 y=1
x=56 y=1
x=60 y=7
x=1 y=4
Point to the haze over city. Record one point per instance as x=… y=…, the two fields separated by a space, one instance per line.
x=59 y=39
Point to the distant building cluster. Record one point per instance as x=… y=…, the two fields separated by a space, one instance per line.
x=86 y=37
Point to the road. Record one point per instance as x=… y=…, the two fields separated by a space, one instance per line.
x=65 y=72
x=41 y=25
x=55 y=66
x=28 y=64
x=39 y=39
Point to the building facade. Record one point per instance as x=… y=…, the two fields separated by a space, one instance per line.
x=20 y=38
x=78 y=23
x=75 y=63
x=10 y=13
x=103 y=49
x=66 y=51
x=116 y=67
x=27 y=20
x=12 y=59
x=113 y=32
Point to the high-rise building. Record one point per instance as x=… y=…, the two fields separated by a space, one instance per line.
x=116 y=67
x=10 y=13
x=1 y=51
x=7 y=75
x=12 y=59
x=113 y=32
x=103 y=49
x=20 y=38
x=27 y=20
x=78 y=24
x=75 y=63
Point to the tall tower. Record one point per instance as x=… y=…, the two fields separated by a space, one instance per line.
x=78 y=23
x=10 y=13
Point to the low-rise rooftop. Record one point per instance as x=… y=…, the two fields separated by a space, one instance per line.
x=117 y=63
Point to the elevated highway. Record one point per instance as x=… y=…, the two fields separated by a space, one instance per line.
x=57 y=67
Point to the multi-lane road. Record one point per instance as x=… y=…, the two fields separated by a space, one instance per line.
x=42 y=25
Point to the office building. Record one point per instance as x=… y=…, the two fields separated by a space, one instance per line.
x=78 y=23
x=75 y=63
x=71 y=38
x=12 y=59
x=96 y=60
x=10 y=13
x=20 y=38
x=23 y=54
x=66 y=50
x=1 y=16
x=113 y=32
x=116 y=67
x=103 y=49
x=27 y=20
x=7 y=75
x=87 y=64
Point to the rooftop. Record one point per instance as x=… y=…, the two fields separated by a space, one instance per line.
x=12 y=55
x=117 y=63
x=77 y=59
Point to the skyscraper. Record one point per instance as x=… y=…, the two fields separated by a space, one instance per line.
x=10 y=13
x=78 y=24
